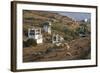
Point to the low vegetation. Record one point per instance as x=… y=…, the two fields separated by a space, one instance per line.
x=69 y=29
x=29 y=42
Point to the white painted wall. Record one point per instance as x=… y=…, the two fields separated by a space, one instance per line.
x=5 y=37
x=47 y=29
x=37 y=37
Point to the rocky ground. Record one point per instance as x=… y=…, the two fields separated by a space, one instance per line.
x=74 y=50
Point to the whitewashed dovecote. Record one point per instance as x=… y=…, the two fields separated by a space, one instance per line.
x=47 y=27
x=35 y=33
x=56 y=38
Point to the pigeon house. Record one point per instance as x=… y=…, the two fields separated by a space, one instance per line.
x=47 y=27
x=57 y=39
x=35 y=33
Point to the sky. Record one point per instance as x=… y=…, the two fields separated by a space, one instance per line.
x=76 y=15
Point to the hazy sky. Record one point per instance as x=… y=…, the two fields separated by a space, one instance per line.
x=76 y=15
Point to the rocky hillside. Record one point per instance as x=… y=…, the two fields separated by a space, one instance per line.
x=62 y=25
x=38 y=17
x=79 y=46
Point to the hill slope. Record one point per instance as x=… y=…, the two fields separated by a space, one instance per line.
x=59 y=23
x=38 y=17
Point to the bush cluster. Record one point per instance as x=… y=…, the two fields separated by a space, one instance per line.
x=29 y=42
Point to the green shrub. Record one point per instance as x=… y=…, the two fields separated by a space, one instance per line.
x=68 y=38
x=24 y=44
x=29 y=42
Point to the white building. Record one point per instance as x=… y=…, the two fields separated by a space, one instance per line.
x=47 y=27
x=85 y=20
x=35 y=33
x=57 y=38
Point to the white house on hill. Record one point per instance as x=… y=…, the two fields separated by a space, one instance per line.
x=85 y=20
x=56 y=38
x=47 y=27
x=35 y=33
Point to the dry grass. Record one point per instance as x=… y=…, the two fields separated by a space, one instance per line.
x=79 y=49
